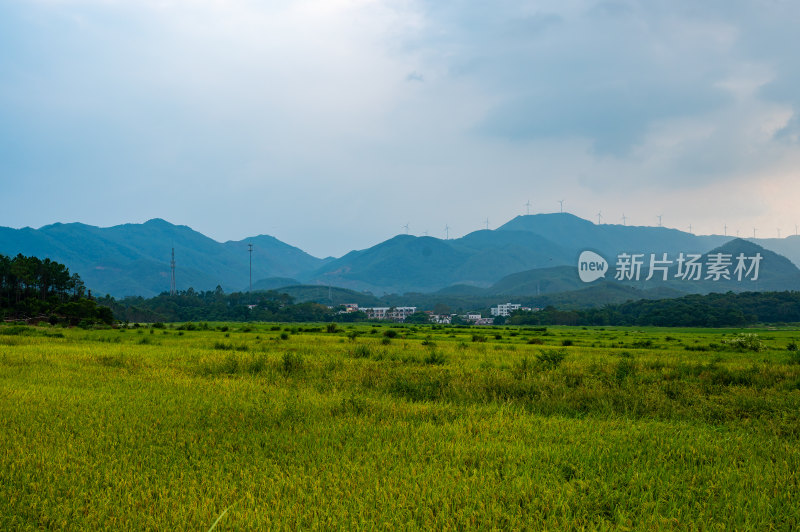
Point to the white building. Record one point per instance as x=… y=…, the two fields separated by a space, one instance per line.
x=505 y=309
x=388 y=313
x=401 y=313
x=376 y=313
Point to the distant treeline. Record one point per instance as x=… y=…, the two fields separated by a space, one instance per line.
x=711 y=310
x=215 y=305
x=33 y=289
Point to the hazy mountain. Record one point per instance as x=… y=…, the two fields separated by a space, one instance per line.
x=133 y=259
x=775 y=273
x=530 y=255
x=424 y=264
x=789 y=246
x=576 y=234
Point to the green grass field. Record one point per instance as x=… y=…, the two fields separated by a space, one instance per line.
x=378 y=427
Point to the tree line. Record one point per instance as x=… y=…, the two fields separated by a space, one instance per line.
x=710 y=310
x=35 y=289
x=216 y=305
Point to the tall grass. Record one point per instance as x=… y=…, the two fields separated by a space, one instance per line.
x=617 y=428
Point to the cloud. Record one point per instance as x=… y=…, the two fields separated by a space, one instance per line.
x=333 y=123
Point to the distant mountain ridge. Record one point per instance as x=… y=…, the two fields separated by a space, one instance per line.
x=530 y=255
x=133 y=259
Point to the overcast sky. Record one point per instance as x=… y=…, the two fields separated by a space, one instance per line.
x=330 y=124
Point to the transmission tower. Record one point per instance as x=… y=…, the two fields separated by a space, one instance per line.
x=172 y=290
x=250 y=250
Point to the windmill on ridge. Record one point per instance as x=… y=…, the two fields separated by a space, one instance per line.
x=447 y=232
x=406 y=228
x=487 y=224
x=624 y=218
x=659 y=219
x=528 y=208
x=561 y=204
x=599 y=216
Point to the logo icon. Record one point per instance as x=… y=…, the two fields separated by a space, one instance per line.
x=591 y=266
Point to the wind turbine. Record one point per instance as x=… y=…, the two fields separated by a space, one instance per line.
x=779 y=232
x=487 y=224
x=726 y=229
x=528 y=208
x=754 y=232
x=659 y=219
x=447 y=232
x=690 y=228
x=406 y=228
x=624 y=218
x=561 y=202
x=599 y=216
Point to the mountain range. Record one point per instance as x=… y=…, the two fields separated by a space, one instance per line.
x=530 y=255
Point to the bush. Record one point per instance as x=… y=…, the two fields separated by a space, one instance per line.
x=746 y=342
x=435 y=358
x=551 y=358
x=390 y=333
x=331 y=328
x=291 y=363
x=361 y=351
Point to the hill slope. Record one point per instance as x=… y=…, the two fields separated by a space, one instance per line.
x=133 y=259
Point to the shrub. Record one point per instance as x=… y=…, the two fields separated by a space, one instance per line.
x=746 y=342
x=435 y=358
x=566 y=342
x=551 y=358
x=331 y=328
x=291 y=363
x=361 y=351
x=390 y=333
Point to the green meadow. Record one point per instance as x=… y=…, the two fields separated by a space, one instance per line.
x=265 y=426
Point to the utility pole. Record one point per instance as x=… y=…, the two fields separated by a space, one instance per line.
x=172 y=290
x=249 y=293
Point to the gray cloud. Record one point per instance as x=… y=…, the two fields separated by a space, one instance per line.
x=331 y=124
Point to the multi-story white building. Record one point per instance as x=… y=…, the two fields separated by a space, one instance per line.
x=375 y=313
x=401 y=313
x=505 y=309
x=388 y=313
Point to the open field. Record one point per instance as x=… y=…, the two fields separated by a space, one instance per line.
x=295 y=427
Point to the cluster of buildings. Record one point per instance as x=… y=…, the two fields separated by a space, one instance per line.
x=399 y=314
